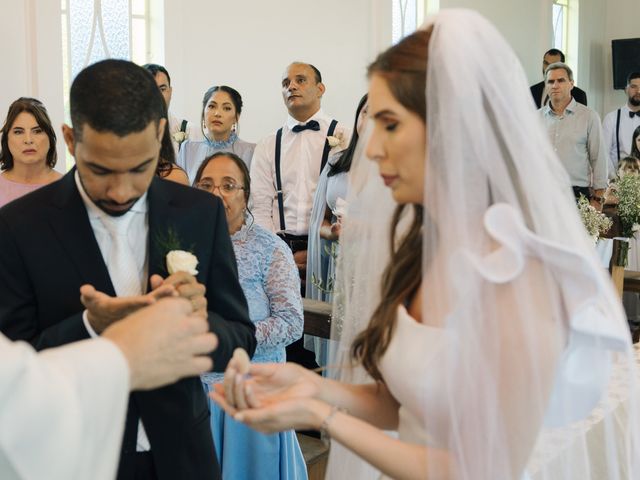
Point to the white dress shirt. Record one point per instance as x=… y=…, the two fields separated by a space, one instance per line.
x=62 y=410
x=136 y=222
x=300 y=165
x=625 y=134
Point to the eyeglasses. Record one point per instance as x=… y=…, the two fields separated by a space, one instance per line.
x=226 y=188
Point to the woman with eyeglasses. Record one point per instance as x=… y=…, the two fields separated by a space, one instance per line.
x=221 y=109
x=270 y=282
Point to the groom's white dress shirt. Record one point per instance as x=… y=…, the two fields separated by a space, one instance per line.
x=135 y=225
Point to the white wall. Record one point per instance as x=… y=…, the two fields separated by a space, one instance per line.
x=247 y=44
x=526 y=24
x=31 y=53
x=590 y=57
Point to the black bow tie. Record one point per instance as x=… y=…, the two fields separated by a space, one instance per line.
x=632 y=114
x=311 y=125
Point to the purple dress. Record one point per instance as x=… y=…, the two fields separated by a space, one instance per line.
x=9 y=190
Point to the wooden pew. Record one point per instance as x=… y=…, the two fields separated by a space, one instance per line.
x=317 y=322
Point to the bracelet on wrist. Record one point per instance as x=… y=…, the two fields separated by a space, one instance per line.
x=324 y=426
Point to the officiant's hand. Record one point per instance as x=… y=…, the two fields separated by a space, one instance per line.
x=103 y=310
x=163 y=343
x=187 y=287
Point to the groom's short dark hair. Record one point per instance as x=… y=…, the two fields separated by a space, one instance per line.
x=115 y=96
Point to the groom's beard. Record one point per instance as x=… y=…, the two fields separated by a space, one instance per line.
x=635 y=100
x=115 y=209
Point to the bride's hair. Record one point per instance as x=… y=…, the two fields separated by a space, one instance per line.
x=403 y=66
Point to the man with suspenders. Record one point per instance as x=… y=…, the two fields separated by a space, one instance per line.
x=286 y=166
x=619 y=125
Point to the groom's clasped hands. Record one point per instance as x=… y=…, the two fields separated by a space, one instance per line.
x=103 y=310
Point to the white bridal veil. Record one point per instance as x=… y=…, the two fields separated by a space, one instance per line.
x=539 y=369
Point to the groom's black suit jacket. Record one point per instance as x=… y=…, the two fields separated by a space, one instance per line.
x=48 y=250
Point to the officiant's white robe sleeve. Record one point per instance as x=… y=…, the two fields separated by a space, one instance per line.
x=61 y=410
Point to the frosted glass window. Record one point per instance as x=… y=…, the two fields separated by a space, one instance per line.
x=98 y=30
x=559 y=16
x=93 y=30
x=406 y=16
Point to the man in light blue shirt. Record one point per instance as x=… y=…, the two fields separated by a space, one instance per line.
x=576 y=135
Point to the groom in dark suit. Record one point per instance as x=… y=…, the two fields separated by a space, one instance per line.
x=107 y=227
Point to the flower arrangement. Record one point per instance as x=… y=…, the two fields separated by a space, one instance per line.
x=628 y=193
x=595 y=222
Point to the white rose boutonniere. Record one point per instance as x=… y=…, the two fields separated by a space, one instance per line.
x=181 y=261
x=179 y=137
x=337 y=140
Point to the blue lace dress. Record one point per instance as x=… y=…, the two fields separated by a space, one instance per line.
x=192 y=153
x=269 y=279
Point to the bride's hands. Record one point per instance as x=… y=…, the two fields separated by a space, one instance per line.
x=273 y=397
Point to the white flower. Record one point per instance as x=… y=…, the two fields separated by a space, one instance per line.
x=181 y=261
x=179 y=137
x=341 y=207
x=337 y=140
x=635 y=227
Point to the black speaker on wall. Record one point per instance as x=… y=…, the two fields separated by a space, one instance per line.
x=625 y=54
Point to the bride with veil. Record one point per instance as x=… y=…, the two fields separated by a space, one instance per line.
x=474 y=318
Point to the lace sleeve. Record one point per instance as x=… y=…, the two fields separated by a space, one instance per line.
x=282 y=286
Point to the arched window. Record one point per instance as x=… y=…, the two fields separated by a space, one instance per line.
x=560 y=15
x=406 y=16
x=100 y=29
x=565 y=30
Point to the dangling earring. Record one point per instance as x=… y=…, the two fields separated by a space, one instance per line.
x=234 y=127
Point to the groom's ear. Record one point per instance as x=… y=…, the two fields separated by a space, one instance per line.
x=69 y=139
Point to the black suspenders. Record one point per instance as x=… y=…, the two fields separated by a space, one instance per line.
x=618 y=133
x=325 y=157
x=279 y=179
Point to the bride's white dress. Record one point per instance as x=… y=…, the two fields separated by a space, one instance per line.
x=413 y=354
x=417 y=351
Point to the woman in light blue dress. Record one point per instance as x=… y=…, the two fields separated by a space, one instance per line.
x=270 y=281
x=221 y=109
x=324 y=227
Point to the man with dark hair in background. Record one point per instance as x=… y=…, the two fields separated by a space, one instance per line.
x=538 y=91
x=76 y=256
x=618 y=126
x=180 y=130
